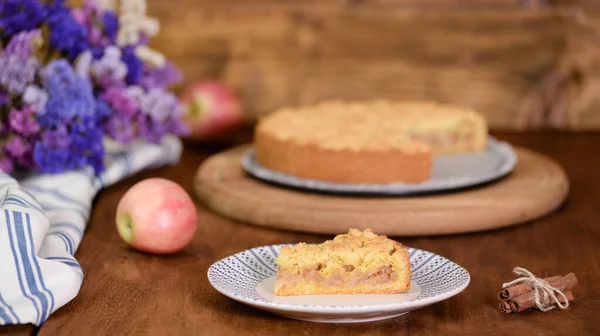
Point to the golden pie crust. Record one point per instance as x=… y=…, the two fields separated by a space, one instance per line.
x=359 y=262
x=366 y=142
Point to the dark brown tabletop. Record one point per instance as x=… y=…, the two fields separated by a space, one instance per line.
x=129 y=293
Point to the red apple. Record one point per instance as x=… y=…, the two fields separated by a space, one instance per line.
x=156 y=216
x=211 y=108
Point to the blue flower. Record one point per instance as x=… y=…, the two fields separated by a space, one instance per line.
x=55 y=6
x=51 y=152
x=135 y=66
x=103 y=109
x=111 y=25
x=51 y=160
x=97 y=51
x=66 y=34
x=86 y=143
x=19 y=15
x=70 y=147
x=69 y=96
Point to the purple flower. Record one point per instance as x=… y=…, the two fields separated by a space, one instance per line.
x=160 y=115
x=152 y=132
x=4 y=98
x=144 y=39
x=23 y=121
x=102 y=25
x=54 y=138
x=6 y=165
x=20 y=45
x=69 y=96
x=36 y=97
x=121 y=129
x=56 y=115
x=79 y=15
x=110 y=70
x=96 y=36
x=160 y=105
x=135 y=66
x=178 y=127
x=16 y=73
x=20 y=150
x=121 y=102
x=66 y=34
x=161 y=78
x=86 y=16
x=136 y=92
x=19 y=15
x=16 y=147
x=86 y=13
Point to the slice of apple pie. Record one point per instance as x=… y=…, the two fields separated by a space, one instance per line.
x=359 y=262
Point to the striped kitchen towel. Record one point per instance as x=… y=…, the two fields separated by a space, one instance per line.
x=42 y=221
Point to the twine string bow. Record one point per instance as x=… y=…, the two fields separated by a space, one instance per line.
x=540 y=287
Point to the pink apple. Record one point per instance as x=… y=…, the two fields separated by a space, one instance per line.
x=156 y=216
x=211 y=108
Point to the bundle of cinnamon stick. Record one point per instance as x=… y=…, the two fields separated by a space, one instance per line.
x=520 y=297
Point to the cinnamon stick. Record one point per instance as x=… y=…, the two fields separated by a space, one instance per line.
x=564 y=283
x=527 y=301
x=520 y=289
x=505 y=307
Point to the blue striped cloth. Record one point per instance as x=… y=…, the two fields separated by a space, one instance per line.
x=42 y=221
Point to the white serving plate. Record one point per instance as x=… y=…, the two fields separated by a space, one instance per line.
x=248 y=277
x=449 y=172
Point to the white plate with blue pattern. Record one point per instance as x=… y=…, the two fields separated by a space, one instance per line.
x=249 y=276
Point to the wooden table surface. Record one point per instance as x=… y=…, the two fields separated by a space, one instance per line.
x=129 y=293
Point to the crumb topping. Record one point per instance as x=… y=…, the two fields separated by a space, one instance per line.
x=375 y=124
x=357 y=249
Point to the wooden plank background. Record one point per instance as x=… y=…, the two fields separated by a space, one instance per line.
x=523 y=64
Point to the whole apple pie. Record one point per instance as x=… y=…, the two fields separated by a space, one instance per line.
x=366 y=142
x=359 y=262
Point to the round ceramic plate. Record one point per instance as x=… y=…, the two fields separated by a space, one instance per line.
x=249 y=277
x=449 y=172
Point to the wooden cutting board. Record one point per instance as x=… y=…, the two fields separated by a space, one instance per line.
x=536 y=187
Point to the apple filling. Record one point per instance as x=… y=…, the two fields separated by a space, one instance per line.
x=348 y=275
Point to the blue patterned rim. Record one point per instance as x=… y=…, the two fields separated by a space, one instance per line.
x=238 y=275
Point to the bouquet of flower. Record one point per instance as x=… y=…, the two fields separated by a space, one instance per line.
x=71 y=78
